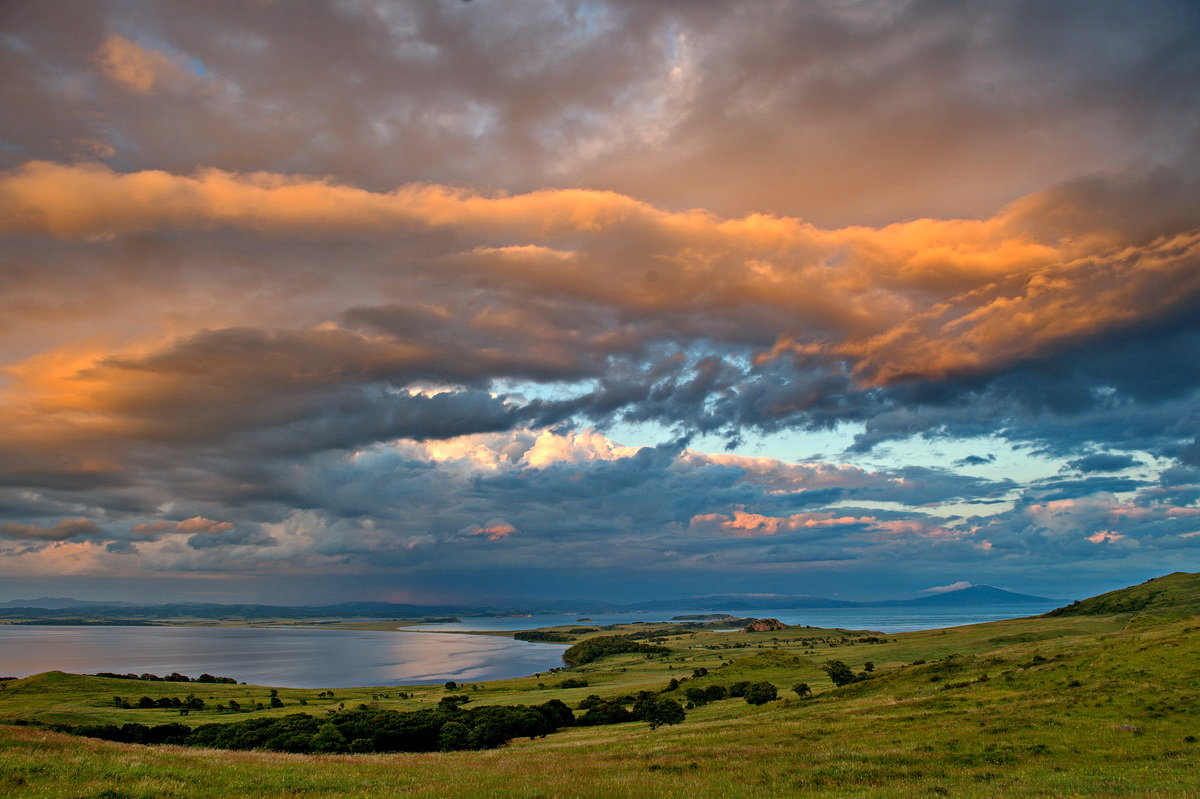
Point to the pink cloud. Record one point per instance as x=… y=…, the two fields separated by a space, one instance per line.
x=67 y=528
x=750 y=525
x=196 y=524
x=494 y=530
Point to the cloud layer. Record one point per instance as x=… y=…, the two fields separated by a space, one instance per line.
x=368 y=289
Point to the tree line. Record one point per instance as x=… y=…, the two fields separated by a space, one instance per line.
x=172 y=677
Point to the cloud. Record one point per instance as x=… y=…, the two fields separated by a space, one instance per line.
x=348 y=283
x=62 y=531
x=843 y=116
x=945 y=589
x=493 y=530
x=196 y=524
x=975 y=460
x=139 y=69
x=1104 y=462
x=925 y=300
x=749 y=525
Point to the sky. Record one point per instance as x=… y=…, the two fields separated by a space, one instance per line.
x=458 y=301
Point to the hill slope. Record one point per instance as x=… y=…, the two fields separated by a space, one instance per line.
x=965 y=597
x=1171 y=596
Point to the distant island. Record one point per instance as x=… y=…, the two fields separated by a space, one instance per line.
x=704 y=617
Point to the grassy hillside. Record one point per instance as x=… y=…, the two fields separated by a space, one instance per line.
x=1175 y=595
x=1064 y=706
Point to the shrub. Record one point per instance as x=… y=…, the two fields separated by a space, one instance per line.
x=760 y=693
x=839 y=672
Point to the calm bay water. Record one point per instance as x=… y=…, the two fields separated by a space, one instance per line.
x=885 y=620
x=432 y=653
x=288 y=658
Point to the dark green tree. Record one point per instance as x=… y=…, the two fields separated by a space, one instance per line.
x=453 y=737
x=663 y=711
x=329 y=739
x=839 y=672
x=760 y=693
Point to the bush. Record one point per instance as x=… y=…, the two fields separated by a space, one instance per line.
x=760 y=693
x=362 y=730
x=839 y=672
x=659 y=712
x=605 y=713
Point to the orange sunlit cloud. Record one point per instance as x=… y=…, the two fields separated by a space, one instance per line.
x=927 y=298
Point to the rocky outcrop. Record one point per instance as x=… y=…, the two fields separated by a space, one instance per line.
x=764 y=626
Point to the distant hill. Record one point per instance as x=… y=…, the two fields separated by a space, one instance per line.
x=57 y=603
x=1176 y=594
x=743 y=602
x=966 y=597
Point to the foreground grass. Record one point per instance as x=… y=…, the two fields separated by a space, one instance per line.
x=1088 y=707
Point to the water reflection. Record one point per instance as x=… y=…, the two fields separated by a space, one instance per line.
x=291 y=658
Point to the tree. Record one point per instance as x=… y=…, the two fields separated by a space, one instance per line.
x=328 y=738
x=663 y=711
x=450 y=702
x=839 y=672
x=454 y=736
x=760 y=693
x=590 y=701
x=802 y=690
x=868 y=666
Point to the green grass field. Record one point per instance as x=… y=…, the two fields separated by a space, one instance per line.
x=1080 y=705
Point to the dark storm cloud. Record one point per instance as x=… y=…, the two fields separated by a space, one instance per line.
x=1103 y=462
x=975 y=460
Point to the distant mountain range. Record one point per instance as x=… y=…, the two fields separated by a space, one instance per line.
x=48 y=607
x=965 y=597
x=49 y=602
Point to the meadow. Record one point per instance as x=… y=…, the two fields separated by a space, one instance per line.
x=1085 y=704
